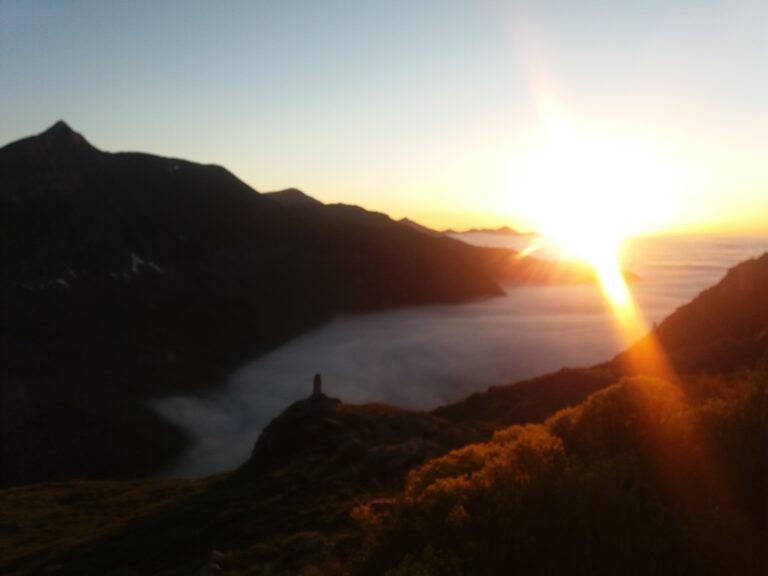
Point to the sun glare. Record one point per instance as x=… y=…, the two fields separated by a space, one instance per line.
x=587 y=192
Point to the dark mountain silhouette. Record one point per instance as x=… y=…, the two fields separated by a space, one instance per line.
x=292 y=197
x=501 y=231
x=724 y=329
x=128 y=276
x=419 y=227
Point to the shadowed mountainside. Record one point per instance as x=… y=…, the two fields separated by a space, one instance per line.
x=128 y=276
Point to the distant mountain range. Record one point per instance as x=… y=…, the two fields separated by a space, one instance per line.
x=128 y=276
x=501 y=231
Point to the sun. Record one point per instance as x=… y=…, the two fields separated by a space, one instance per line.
x=587 y=192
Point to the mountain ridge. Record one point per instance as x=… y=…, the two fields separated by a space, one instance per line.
x=292 y=197
x=129 y=276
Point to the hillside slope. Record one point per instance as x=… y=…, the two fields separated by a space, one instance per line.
x=723 y=330
x=288 y=506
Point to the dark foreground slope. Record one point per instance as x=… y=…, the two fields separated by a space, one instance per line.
x=129 y=276
x=636 y=480
x=287 y=508
x=639 y=479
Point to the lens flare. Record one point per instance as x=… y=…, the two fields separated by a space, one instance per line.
x=603 y=254
x=586 y=193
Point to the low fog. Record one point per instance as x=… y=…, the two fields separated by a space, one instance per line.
x=421 y=358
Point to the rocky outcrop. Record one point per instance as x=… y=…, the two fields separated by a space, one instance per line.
x=322 y=432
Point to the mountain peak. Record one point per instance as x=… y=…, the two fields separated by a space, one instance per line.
x=60 y=135
x=292 y=197
x=59 y=128
x=419 y=228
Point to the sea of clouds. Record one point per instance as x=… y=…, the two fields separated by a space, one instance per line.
x=420 y=358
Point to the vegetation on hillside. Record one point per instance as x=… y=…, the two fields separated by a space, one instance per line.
x=645 y=477
x=41 y=521
x=285 y=511
x=639 y=479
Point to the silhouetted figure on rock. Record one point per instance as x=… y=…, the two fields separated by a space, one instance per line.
x=296 y=428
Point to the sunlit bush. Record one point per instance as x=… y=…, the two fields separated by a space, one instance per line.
x=636 y=480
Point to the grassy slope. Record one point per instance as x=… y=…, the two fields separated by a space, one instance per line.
x=639 y=479
x=288 y=508
x=42 y=521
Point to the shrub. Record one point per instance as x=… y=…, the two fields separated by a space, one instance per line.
x=635 y=480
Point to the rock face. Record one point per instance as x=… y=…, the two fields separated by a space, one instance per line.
x=322 y=432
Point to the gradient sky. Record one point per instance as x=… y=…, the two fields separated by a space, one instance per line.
x=416 y=108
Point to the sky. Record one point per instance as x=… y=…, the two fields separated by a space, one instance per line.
x=438 y=110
